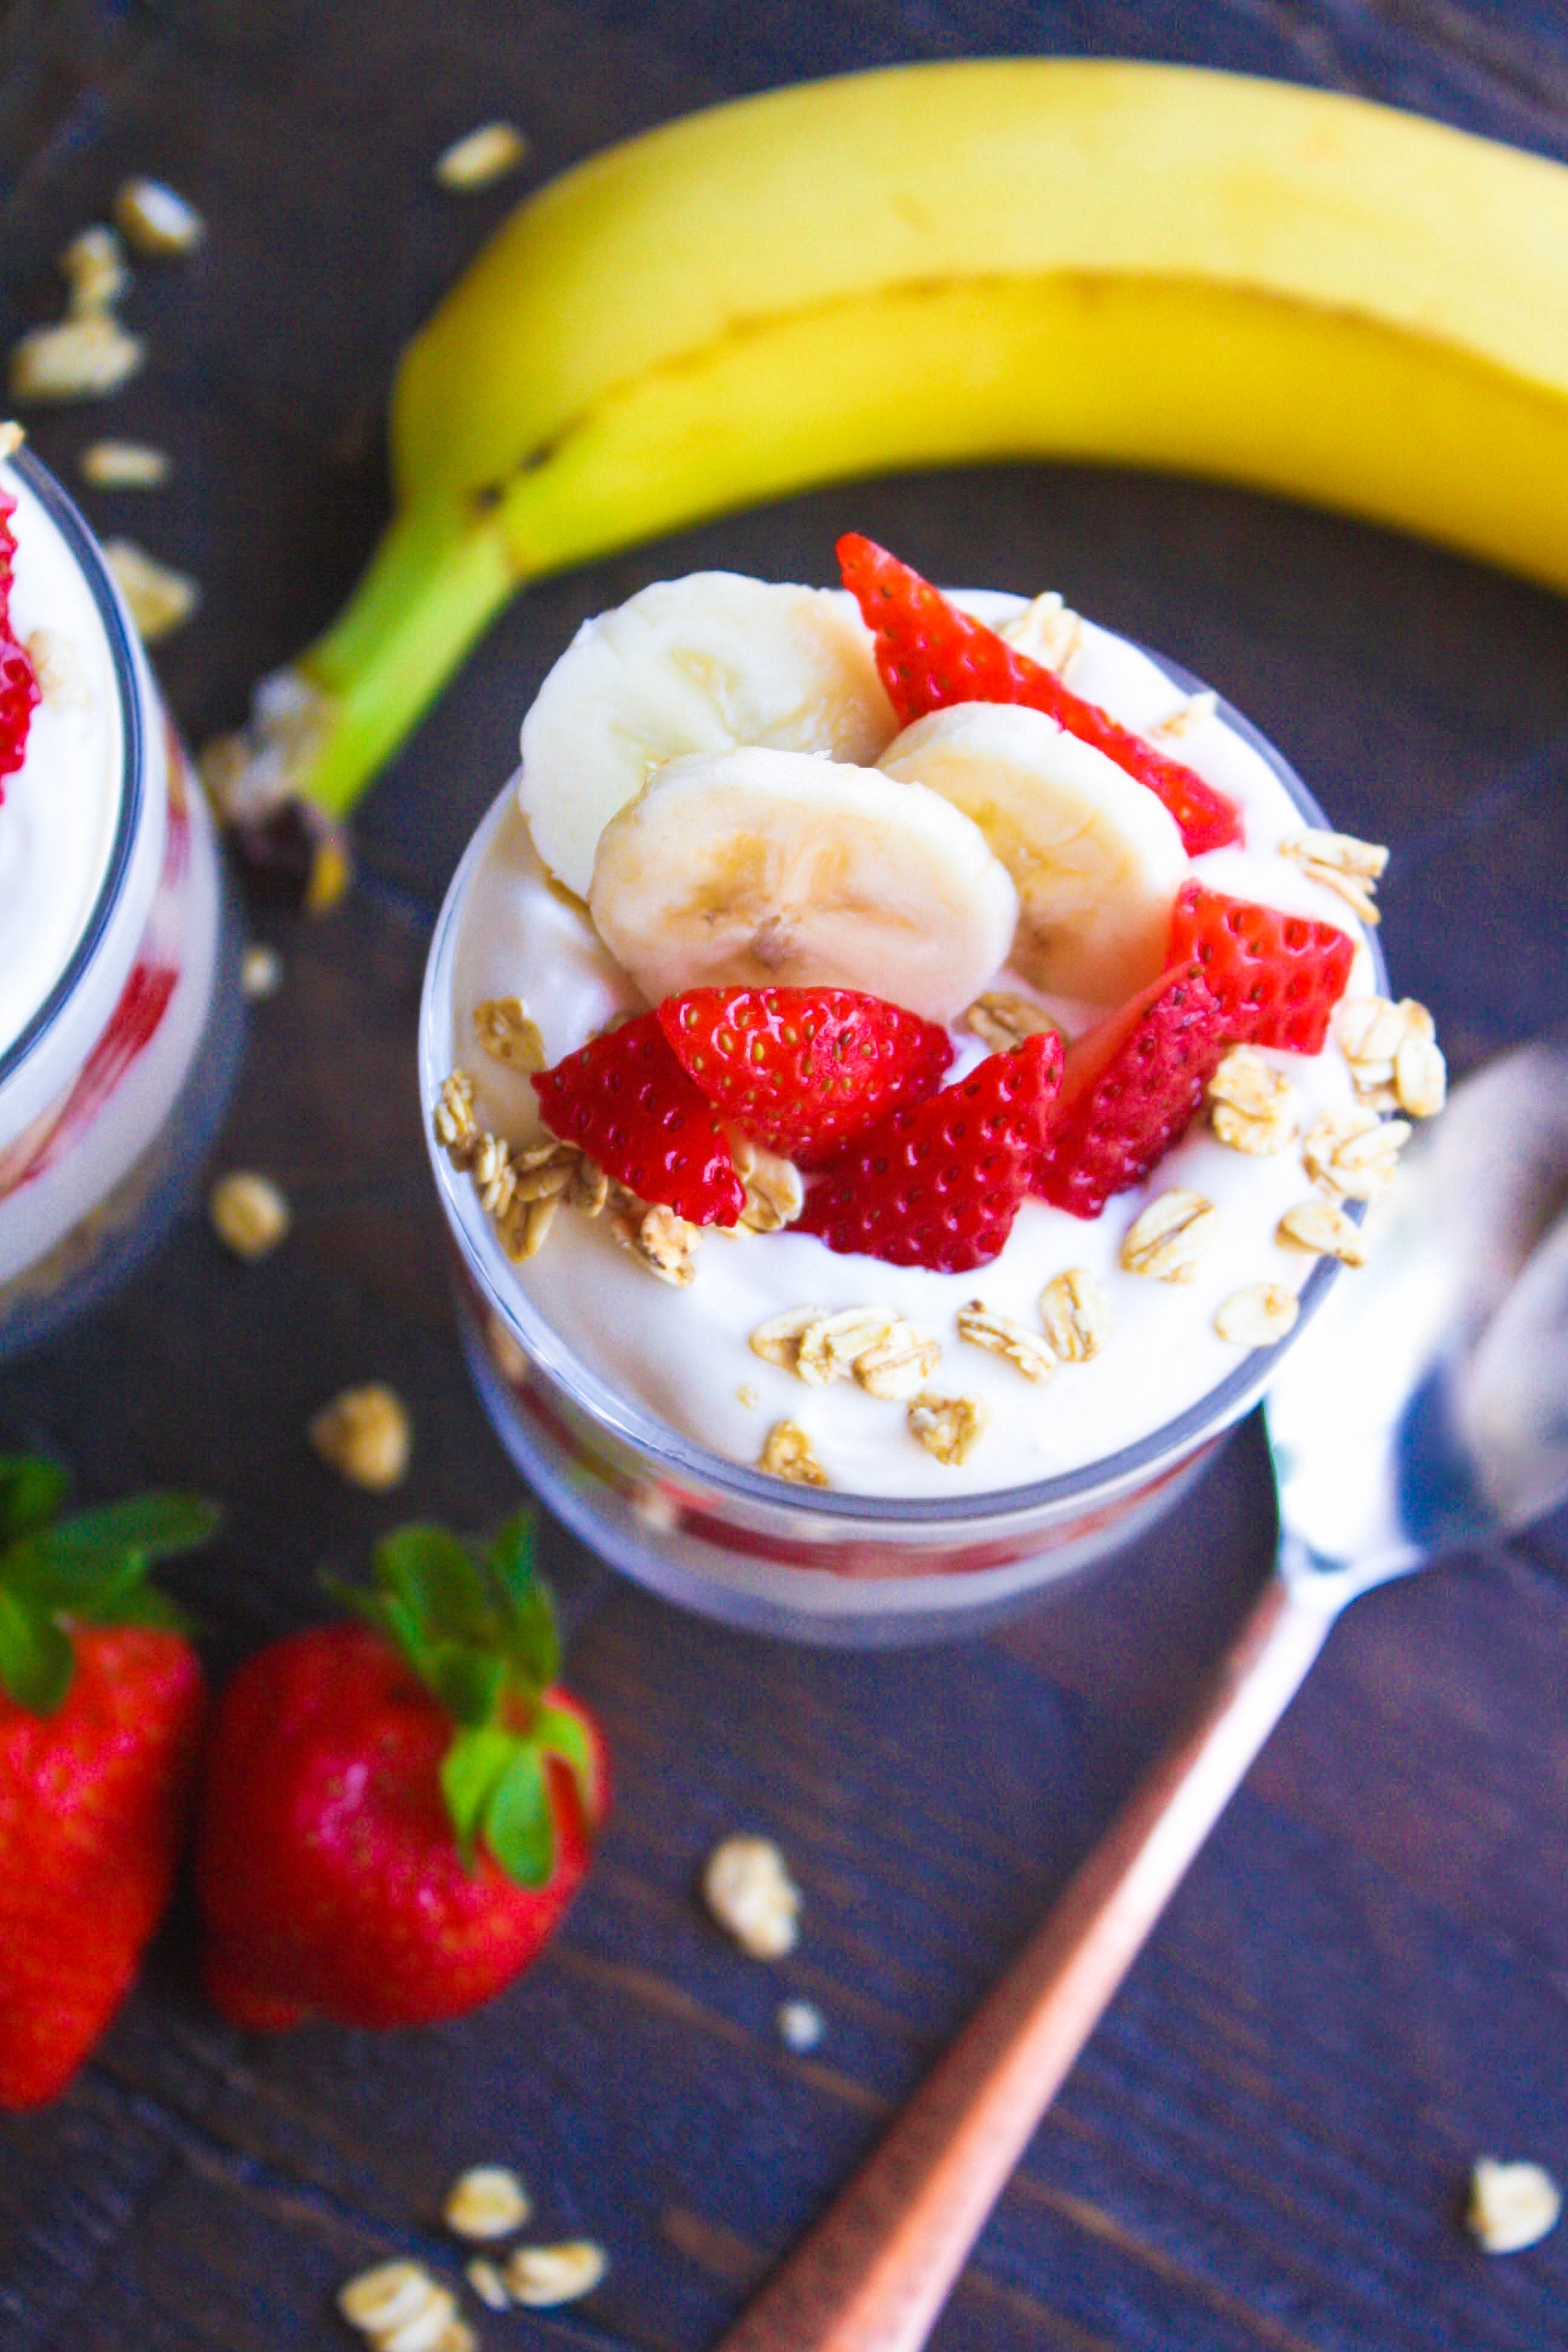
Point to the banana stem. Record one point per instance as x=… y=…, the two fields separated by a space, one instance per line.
x=432 y=584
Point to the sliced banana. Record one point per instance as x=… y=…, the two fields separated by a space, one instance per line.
x=700 y=663
x=753 y=866
x=1097 y=860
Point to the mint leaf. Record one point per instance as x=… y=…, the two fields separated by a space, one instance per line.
x=517 y=1826
x=33 y=1490
x=36 y=1660
x=469 y=1770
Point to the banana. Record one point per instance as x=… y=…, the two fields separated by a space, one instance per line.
x=700 y=663
x=1094 y=857
x=754 y=866
x=1149 y=264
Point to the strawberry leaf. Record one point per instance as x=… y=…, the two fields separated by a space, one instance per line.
x=467 y=1682
x=36 y=1660
x=534 y=1643
x=558 y=1732
x=469 y=1772
x=517 y=1826
x=32 y=1492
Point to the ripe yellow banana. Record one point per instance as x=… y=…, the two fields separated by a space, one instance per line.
x=1138 y=263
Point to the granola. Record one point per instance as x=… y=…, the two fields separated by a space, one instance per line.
x=897 y=1367
x=364 y=1434
x=829 y=1348
x=1075 y=1309
x=787 y=1453
x=1511 y=2206
x=1001 y=1020
x=1395 y=1060
x=1349 y=868
x=506 y=1033
x=541 y=2277
x=949 y=1427
x=489 y=2201
x=1167 y=1241
x=1251 y=1104
x=1354 y=1154
x=1258 y=1315
x=747 y=1888
x=1001 y=1335
x=1322 y=1227
x=659 y=1240
x=1045 y=631
x=480 y=157
x=249 y=1213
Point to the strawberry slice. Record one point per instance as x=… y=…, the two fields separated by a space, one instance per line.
x=929 y=655
x=627 y=1102
x=18 y=680
x=938 y=1183
x=1279 y=976
x=1129 y=1086
x=803 y=1069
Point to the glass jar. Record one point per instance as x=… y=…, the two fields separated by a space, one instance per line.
x=713 y=1535
x=120 y=1051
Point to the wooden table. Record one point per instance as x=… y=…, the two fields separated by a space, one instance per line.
x=1363 y=1984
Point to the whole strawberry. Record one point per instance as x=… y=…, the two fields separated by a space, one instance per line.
x=100 y=1713
x=396 y=1813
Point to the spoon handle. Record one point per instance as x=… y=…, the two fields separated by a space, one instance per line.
x=875 y=2269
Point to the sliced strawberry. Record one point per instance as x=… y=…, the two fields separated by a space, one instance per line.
x=1279 y=976
x=1129 y=1086
x=18 y=680
x=938 y=1183
x=929 y=655
x=627 y=1102
x=803 y=1069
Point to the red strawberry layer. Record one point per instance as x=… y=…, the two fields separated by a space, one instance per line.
x=1129 y=1086
x=930 y=655
x=938 y=1183
x=1278 y=976
x=803 y=1069
x=18 y=680
x=625 y=1101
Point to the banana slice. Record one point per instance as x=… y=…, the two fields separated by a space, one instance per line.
x=1096 y=859
x=753 y=866
x=696 y=665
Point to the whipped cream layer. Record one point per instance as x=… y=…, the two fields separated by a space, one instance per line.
x=685 y=1352
x=60 y=808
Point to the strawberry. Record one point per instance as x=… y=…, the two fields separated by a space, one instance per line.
x=938 y=1183
x=100 y=1712
x=18 y=678
x=1129 y=1086
x=1279 y=976
x=625 y=1100
x=929 y=655
x=396 y=1813
x=803 y=1068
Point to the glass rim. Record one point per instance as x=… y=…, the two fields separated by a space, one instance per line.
x=81 y=542
x=624 y=1417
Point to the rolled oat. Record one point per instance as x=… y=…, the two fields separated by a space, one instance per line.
x=480 y=157
x=1258 y=1315
x=787 y=1453
x=1001 y=1020
x=1323 y=1228
x=364 y=1434
x=949 y=1427
x=506 y=1033
x=748 y=1889
x=1075 y=1309
x=1166 y=1241
x=489 y=2201
x=540 y=2277
x=1000 y=1336
x=249 y=1213
x=1339 y=861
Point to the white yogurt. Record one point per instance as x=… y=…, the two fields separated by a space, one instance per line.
x=685 y=1353
x=59 y=809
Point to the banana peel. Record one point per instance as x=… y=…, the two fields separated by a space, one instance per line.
x=1151 y=265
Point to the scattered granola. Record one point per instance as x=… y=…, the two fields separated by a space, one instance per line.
x=949 y=1427
x=1258 y=1315
x=487 y=2201
x=249 y=1213
x=540 y=2277
x=1045 y=631
x=1394 y=1055
x=525 y=1228
x=1322 y=1227
x=801 y=2024
x=777 y=1341
x=774 y=1195
x=1075 y=1309
x=1167 y=1241
x=495 y=1179
x=787 y=1453
x=659 y=1239
x=480 y=157
x=507 y=1035
x=747 y=1395
x=1354 y=1153
x=156 y=221
x=748 y=1889
x=1251 y=1104
x=399 y=2306
x=1001 y=1020
x=488 y=2284
x=1194 y=711
x=1002 y=1337
x=261 y=971
x=93 y=266
x=829 y=1348
x=365 y=1434
x=1343 y=864
x=78 y=359
x=1511 y=2206
x=160 y=599
x=896 y=1368
x=62 y=682
x=457 y=1129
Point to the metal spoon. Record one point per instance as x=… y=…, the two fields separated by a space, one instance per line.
x=1424 y=1409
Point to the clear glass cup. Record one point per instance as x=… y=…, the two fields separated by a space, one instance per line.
x=754 y=1550
x=110 y=1091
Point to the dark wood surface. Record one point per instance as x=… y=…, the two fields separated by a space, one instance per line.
x=1364 y=1983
